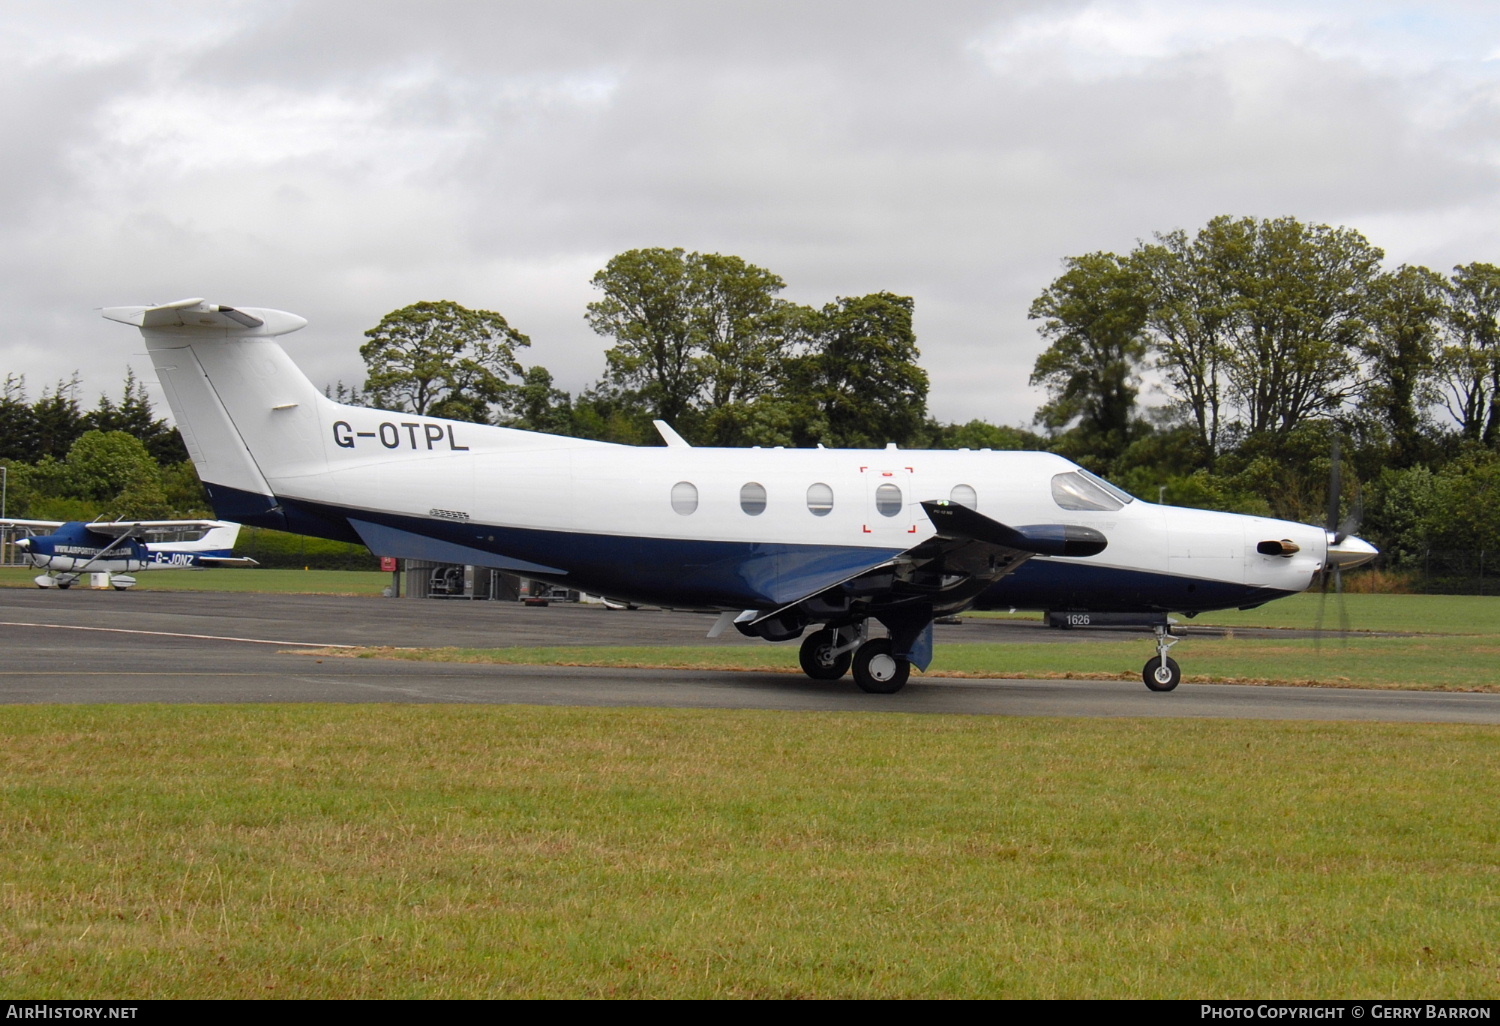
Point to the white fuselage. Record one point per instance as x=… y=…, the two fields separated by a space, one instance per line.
x=274 y=451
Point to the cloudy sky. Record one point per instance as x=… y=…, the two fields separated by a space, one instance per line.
x=343 y=158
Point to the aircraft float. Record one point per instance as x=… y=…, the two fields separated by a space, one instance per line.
x=119 y=548
x=776 y=540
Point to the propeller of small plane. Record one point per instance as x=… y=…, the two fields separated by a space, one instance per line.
x=1339 y=531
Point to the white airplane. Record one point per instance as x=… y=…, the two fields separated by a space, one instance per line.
x=122 y=547
x=777 y=540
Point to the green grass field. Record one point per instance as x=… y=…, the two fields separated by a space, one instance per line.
x=1425 y=663
x=453 y=851
x=482 y=851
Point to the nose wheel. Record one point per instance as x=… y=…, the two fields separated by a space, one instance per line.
x=1161 y=675
x=1162 y=672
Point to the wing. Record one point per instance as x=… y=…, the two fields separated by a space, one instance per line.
x=50 y=524
x=121 y=528
x=941 y=575
x=961 y=529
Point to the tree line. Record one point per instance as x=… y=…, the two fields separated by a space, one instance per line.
x=1264 y=339
x=65 y=463
x=702 y=341
x=120 y=460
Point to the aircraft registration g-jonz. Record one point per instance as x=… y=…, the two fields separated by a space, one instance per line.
x=776 y=540
x=122 y=547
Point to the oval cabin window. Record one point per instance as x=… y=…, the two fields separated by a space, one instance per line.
x=964 y=495
x=753 y=498
x=819 y=500
x=684 y=497
x=888 y=500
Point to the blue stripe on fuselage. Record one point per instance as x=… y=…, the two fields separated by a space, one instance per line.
x=745 y=575
x=1062 y=586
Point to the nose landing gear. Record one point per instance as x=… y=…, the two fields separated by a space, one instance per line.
x=1161 y=672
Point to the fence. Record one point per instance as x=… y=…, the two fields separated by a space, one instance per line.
x=9 y=554
x=1456 y=572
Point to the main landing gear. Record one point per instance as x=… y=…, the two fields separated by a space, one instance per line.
x=1162 y=672
x=826 y=654
x=830 y=653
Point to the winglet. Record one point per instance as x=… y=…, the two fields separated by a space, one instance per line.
x=672 y=438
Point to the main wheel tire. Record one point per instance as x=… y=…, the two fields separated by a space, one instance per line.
x=877 y=671
x=818 y=659
x=1161 y=676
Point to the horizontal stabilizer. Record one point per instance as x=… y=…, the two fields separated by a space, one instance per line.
x=955 y=521
x=227 y=561
x=195 y=316
x=392 y=541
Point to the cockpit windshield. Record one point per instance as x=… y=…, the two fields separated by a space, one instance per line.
x=1078 y=489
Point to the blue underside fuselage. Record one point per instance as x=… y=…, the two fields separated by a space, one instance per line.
x=720 y=574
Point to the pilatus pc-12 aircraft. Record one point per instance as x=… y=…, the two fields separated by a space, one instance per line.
x=777 y=540
x=123 y=547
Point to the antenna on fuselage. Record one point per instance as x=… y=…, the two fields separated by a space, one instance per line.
x=672 y=438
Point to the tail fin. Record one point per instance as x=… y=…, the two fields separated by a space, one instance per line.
x=219 y=540
x=238 y=399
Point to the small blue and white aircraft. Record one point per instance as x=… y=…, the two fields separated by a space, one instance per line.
x=776 y=540
x=119 y=548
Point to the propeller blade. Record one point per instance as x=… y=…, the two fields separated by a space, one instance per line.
x=1335 y=486
x=1322 y=605
x=1338 y=590
x=1339 y=554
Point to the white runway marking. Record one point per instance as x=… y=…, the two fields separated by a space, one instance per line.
x=172 y=634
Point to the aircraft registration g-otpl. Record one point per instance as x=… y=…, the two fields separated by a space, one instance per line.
x=776 y=540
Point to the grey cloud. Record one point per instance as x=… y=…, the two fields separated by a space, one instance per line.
x=497 y=153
